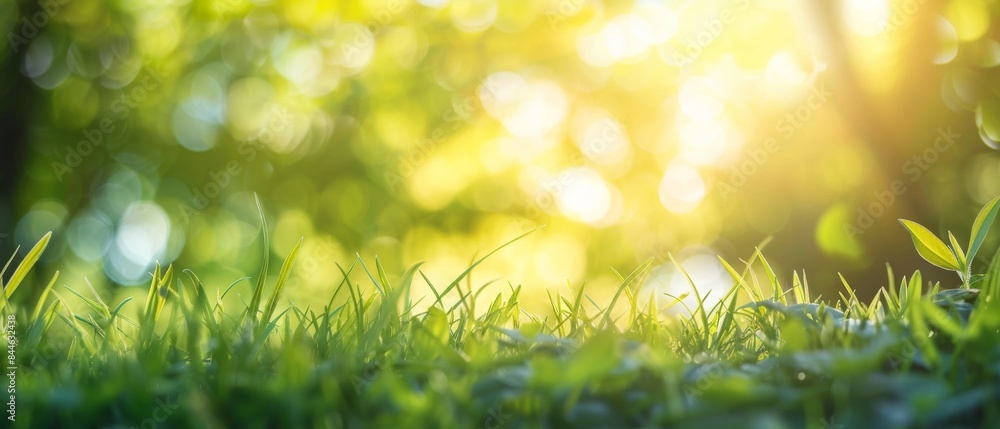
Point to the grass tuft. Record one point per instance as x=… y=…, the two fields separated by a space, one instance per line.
x=915 y=356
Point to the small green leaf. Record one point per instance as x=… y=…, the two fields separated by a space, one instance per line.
x=24 y=267
x=981 y=227
x=957 y=250
x=931 y=248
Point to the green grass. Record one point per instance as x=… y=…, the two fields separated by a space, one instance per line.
x=916 y=356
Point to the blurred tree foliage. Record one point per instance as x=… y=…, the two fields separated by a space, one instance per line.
x=434 y=129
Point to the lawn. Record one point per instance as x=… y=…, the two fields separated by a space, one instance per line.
x=375 y=356
x=500 y=214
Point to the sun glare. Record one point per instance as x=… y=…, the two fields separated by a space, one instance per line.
x=585 y=196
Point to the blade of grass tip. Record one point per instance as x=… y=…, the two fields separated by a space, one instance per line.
x=740 y=281
x=97 y=296
x=125 y=319
x=474 y=294
x=748 y=271
x=162 y=291
x=231 y=286
x=482 y=288
x=458 y=279
x=114 y=313
x=748 y=268
x=873 y=307
x=935 y=288
x=510 y=309
x=380 y=269
x=625 y=281
x=343 y=281
x=355 y=302
x=575 y=310
x=533 y=318
x=22 y=269
x=652 y=306
x=42 y=297
x=846 y=300
x=782 y=297
x=7 y=265
x=797 y=290
x=554 y=302
x=407 y=304
x=73 y=349
x=694 y=288
x=904 y=294
x=202 y=297
x=437 y=295
x=388 y=311
x=805 y=286
x=632 y=307
x=763 y=243
x=305 y=323
x=279 y=287
x=92 y=323
x=468 y=278
x=678 y=299
x=771 y=277
x=850 y=290
x=562 y=317
x=981 y=227
x=183 y=300
x=597 y=307
x=957 y=250
x=891 y=295
x=472 y=302
x=94 y=305
x=496 y=306
x=258 y=291
x=719 y=305
x=153 y=293
x=463 y=300
x=378 y=286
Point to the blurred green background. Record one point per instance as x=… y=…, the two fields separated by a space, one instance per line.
x=435 y=130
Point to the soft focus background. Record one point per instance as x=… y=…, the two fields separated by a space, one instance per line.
x=435 y=130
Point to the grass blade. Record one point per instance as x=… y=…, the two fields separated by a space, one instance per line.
x=24 y=267
x=981 y=227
